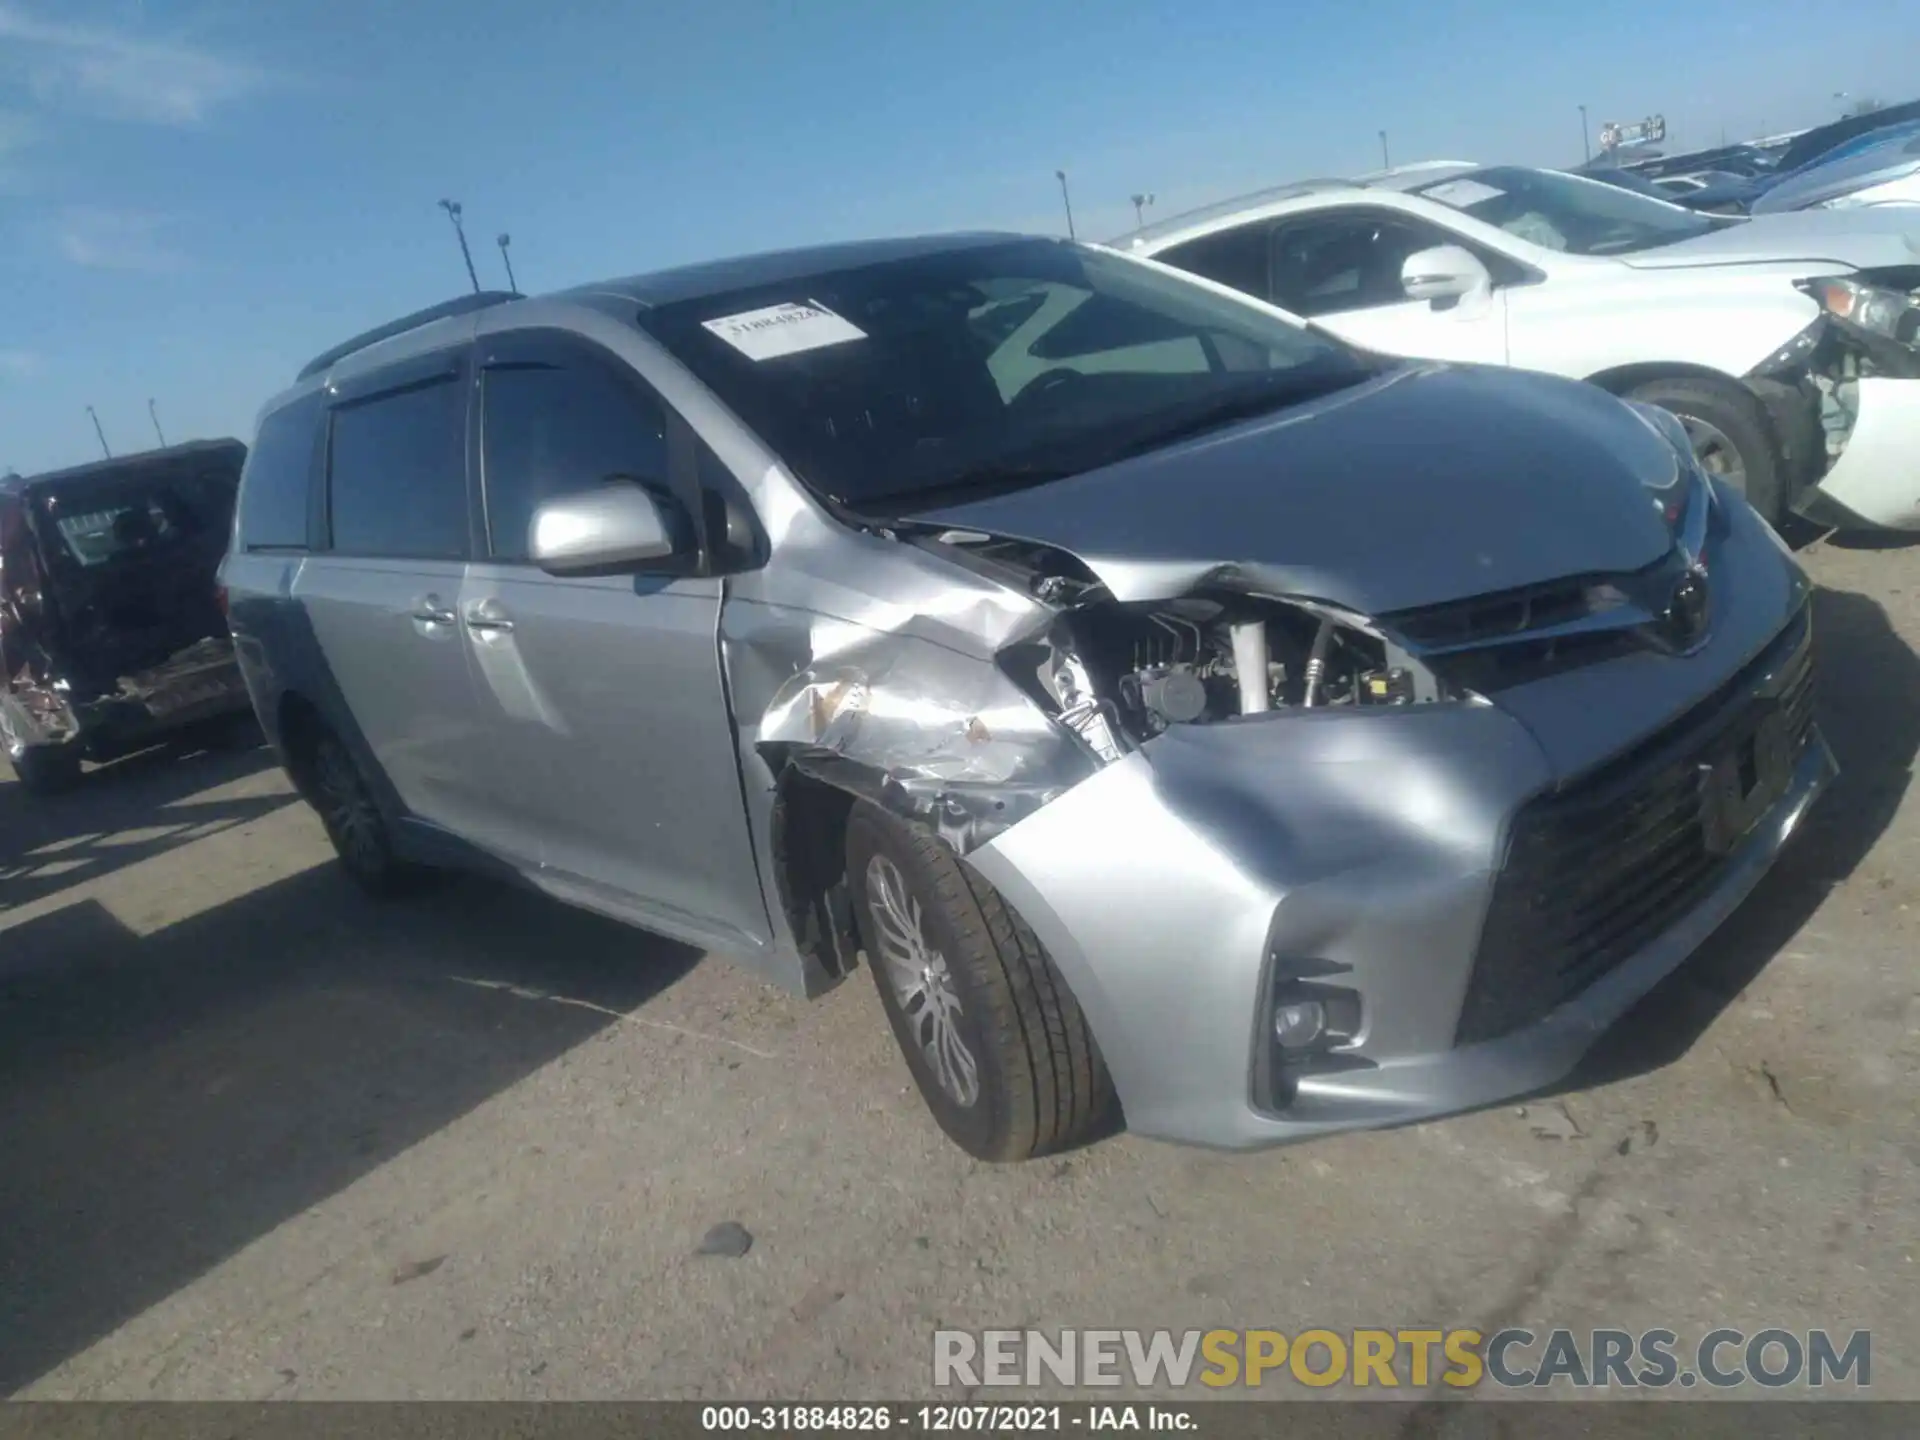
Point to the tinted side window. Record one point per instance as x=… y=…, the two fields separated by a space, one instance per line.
x=397 y=475
x=274 y=484
x=550 y=428
x=1236 y=257
x=1352 y=260
x=1346 y=262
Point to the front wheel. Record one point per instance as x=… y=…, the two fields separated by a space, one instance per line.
x=45 y=771
x=354 y=822
x=1731 y=437
x=996 y=1043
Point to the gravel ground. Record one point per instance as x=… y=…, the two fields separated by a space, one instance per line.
x=260 y=1137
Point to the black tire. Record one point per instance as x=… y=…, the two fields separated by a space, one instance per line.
x=1040 y=1084
x=232 y=734
x=1723 y=406
x=45 y=771
x=354 y=821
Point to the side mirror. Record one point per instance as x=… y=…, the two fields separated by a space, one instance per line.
x=1445 y=272
x=615 y=527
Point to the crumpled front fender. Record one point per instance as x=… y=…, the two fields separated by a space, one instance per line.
x=1165 y=885
x=938 y=736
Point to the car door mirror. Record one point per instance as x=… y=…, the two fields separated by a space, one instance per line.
x=613 y=527
x=1445 y=272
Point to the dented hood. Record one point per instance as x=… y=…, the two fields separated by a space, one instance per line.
x=1429 y=484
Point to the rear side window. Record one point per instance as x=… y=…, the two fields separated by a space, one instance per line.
x=397 y=480
x=274 y=486
x=127 y=518
x=1236 y=257
x=1346 y=261
x=550 y=428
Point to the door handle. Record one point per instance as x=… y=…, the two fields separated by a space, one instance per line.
x=432 y=610
x=488 y=617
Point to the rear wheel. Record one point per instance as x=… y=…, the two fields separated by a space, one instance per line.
x=40 y=769
x=1731 y=437
x=44 y=771
x=996 y=1043
x=354 y=822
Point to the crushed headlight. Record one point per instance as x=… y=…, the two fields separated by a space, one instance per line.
x=1877 y=311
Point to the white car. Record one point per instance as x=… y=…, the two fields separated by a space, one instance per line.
x=1789 y=345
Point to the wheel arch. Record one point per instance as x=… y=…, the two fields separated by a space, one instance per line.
x=297 y=728
x=1619 y=379
x=1787 y=426
x=809 y=853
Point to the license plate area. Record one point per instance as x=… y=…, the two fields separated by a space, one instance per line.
x=1744 y=778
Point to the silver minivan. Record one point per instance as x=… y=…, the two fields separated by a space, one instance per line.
x=1192 y=720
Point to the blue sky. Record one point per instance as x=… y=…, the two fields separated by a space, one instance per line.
x=195 y=197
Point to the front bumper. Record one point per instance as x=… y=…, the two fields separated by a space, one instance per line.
x=1173 y=886
x=1876 y=479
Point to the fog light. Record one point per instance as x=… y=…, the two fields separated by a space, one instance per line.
x=1299 y=1024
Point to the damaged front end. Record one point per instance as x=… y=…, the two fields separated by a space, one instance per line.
x=1844 y=396
x=1261 y=833
x=1025 y=676
x=968 y=723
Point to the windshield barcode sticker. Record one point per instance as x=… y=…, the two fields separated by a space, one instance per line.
x=1461 y=193
x=783 y=330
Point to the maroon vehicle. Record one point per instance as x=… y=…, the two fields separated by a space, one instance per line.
x=113 y=630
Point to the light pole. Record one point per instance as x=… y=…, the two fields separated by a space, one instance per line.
x=1586 y=140
x=1385 y=163
x=507 y=260
x=155 y=416
x=98 y=431
x=1140 y=203
x=452 y=207
x=1067 y=200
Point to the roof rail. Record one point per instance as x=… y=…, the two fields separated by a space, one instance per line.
x=463 y=305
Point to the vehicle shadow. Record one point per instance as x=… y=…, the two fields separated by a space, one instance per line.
x=1800 y=534
x=1868 y=703
x=1875 y=540
x=126 y=811
x=165 y=1099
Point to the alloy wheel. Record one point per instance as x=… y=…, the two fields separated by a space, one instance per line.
x=1716 y=453
x=347 y=809
x=922 y=985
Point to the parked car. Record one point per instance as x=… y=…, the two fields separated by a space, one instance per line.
x=1632 y=180
x=1883 y=169
x=1807 y=153
x=1785 y=344
x=1823 y=140
x=112 y=634
x=1182 y=710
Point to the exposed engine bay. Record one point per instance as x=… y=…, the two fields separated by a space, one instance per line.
x=1120 y=674
x=1870 y=327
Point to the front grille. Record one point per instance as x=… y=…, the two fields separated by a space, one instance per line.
x=1601 y=867
x=1487 y=618
x=1492 y=642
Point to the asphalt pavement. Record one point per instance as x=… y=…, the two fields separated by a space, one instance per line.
x=261 y=1137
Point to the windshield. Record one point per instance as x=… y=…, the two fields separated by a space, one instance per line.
x=111 y=522
x=1567 y=213
x=988 y=367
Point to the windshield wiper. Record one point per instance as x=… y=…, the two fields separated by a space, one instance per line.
x=980 y=484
